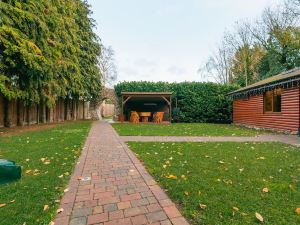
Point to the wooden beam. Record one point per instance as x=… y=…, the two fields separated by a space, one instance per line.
x=128 y=98
x=169 y=102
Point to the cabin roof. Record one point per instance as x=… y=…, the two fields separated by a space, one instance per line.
x=289 y=78
x=145 y=93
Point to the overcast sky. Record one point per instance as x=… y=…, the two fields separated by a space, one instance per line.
x=167 y=40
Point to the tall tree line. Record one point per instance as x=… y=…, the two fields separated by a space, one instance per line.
x=48 y=50
x=260 y=49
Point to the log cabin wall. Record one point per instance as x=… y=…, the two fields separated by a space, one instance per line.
x=251 y=112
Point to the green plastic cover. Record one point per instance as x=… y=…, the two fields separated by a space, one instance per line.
x=9 y=171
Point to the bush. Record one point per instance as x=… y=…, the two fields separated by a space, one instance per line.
x=196 y=101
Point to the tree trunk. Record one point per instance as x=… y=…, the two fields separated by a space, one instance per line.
x=20 y=112
x=66 y=108
x=38 y=113
x=7 y=113
x=74 y=109
x=83 y=108
x=43 y=116
x=28 y=114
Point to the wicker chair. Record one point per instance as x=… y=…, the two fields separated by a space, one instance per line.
x=158 y=117
x=134 y=117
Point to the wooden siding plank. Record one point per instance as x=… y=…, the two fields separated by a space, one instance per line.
x=250 y=112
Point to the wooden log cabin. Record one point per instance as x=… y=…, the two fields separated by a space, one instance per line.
x=273 y=103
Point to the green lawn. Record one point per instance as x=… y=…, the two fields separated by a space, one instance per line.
x=47 y=158
x=183 y=129
x=229 y=179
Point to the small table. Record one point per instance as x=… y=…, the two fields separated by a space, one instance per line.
x=145 y=116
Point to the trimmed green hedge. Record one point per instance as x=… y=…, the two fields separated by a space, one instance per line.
x=196 y=101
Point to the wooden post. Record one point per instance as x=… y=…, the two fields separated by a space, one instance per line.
x=169 y=102
x=122 y=112
x=170 y=105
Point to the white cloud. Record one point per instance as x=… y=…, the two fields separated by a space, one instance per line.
x=143 y=62
x=176 y=70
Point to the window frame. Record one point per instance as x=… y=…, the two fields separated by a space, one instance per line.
x=274 y=94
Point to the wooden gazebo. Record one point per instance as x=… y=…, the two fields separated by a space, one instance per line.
x=146 y=102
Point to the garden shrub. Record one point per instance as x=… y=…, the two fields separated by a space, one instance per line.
x=196 y=101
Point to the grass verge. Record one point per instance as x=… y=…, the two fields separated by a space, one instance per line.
x=47 y=158
x=232 y=181
x=183 y=129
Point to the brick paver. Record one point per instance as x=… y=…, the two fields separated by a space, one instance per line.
x=111 y=187
x=288 y=139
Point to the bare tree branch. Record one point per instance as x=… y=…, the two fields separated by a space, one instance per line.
x=107 y=65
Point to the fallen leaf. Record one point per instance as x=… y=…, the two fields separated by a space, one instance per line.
x=235 y=209
x=60 y=210
x=228 y=182
x=171 y=177
x=265 y=190
x=183 y=177
x=221 y=162
x=61 y=176
x=46 y=207
x=202 y=206
x=259 y=217
x=164 y=166
x=241 y=170
x=2 y=205
x=51 y=223
x=186 y=193
x=12 y=201
x=297 y=211
x=27 y=171
x=66 y=190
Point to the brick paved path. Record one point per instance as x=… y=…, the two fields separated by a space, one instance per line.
x=110 y=186
x=288 y=139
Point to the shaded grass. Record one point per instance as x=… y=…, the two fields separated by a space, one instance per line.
x=40 y=183
x=183 y=129
x=227 y=175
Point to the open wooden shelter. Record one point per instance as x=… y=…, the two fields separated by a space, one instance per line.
x=147 y=103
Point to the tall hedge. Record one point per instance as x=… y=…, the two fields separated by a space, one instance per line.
x=48 y=50
x=195 y=101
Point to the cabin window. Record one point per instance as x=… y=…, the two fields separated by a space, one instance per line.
x=272 y=101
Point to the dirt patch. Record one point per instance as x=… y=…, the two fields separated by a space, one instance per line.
x=31 y=128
